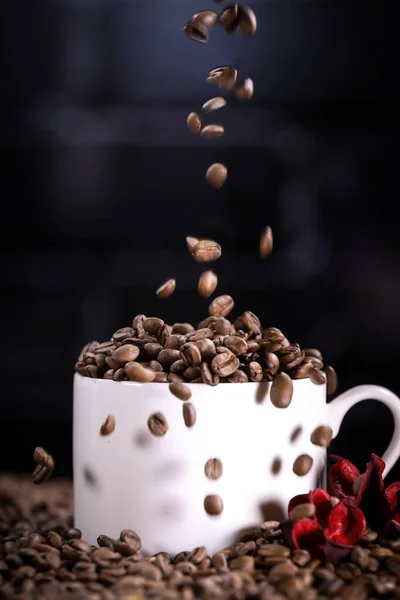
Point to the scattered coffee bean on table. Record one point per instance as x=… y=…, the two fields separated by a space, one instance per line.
x=189 y=414
x=331 y=380
x=207 y=284
x=216 y=175
x=108 y=426
x=193 y=122
x=266 y=242
x=166 y=289
x=213 y=468
x=214 y=104
x=244 y=91
x=157 y=424
x=180 y=390
x=322 y=436
x=281 y=390
x=302 y=465
x=213 y=505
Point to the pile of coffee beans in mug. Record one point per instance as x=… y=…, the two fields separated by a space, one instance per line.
x=42 y=557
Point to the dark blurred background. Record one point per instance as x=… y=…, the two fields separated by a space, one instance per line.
x=101 y=182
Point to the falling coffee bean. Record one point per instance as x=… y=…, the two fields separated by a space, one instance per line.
x=266 y=242
x=166 y=289
x=157 y=424
x=189 y=414
x=205 y=18
x=42 y=457
x=223 y=77
x=180 y=390
x=302 y=511
x=196 y=32
x=213 y=505
x=331 y=380
x=191 y=243
x=281 y=390
x=214 y=104
x=206 y=251
x=247 y=19
x=244 y=91
x=209 y=132
x=302 y=465
x=213 y=468
x=41 y=474
x=193 y=122
x=221 y=306
x=216 y=175
x=322 y=436
x=317 y=376
x=108 y=426
x=207 y=284
x=230 y=19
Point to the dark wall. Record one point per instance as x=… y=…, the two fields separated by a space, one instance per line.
x=102 y=182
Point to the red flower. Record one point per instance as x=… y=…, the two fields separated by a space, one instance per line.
x=381 y=506
x=332 y=532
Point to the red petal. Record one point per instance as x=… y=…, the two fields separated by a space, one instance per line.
x=392 y=495
x=323 y=505
x=396 y=522
x=300 y=499
x=308 y=535
x=336 y=552
x=341 y=477
x=346 y=524
x=372 y=497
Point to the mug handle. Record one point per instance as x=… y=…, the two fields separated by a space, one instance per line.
x=338 y=408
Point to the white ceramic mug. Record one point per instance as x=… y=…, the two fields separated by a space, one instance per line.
x=157 y=485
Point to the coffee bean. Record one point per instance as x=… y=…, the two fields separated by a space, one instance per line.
x=160 y=377
x=42 y=457
x=123 y=355
x=168 y=356
x=247 y=19
x=166 y=289
x=157 y=424
x=213 y=468
x=271 y=362
x=221 y=306
x=191 y=355
x=136 y=372
x=207 y=375
x=130 y=537
x=196 y=32
x=108 y=426
x=201 y=334
x=238 y=376
x=152 y=325
x=213 y=505
x=152 y=350
x=205 y=18
x=119 y=374
x=225 y=364
x=210 y=132
x=189 y=414
x=207 y=349
x=223 y=77
x=303 y=371
x=236 y=344
x=331 y=380
x=213 y=104
x=266 y=242
x=229 y=19
x=255 y=371
x=207 y=284
x=322 y=436
x=281 y=390
x=313 y=352
x=73 y=533
x=302 y=465
x=206 y=251
x=317 y=376
x=194 y=125
x=302 y=511
x=180 y=390
x=244 y=91
x=216 y=175
x=190 y=240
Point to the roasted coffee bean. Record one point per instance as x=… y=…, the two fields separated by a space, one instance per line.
x=221 y=325
x=313 y=352
x=119 y=374
x=229 y=19
x=244 y=91
x=331 y=380
x=303 y=371
x=73 y=533
x=216 y=175
x=206 y=18
x=180 y=390
x=168 y=356
x=190 y=240
x=271 y=362
x=130 y=537
x=194 y=125
x=251 y=322
x=317 y=376
x=41 y=474
x=281 y=390
x=207 y=349
x=152 y=325
x=214 y=104
x=213 y=505
x=196 y=32
x=191 y=373
x=223 y=77
x=108 y=426
x=207 y=284
x=209 y=132
x=247 y=19
x=221 y=306
x=157 y=424
x=213 y=468
x=322 y=436
x=160 y=377
x=136 y=372
x=266 y=242
x=255 y=371
x=206 y=251
x=189 y=414
x=225 y=364
x=178 y=367
x=105 y=542
x=191 y=355
x=302 y=511
x=166 y=289
x=302 y=465
x=152 y=350
x=238 y=376
x=201 y=334
x=207 y=375
x=236 y=345
x=123 y=355
x=121 y=334
x=42 y=457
